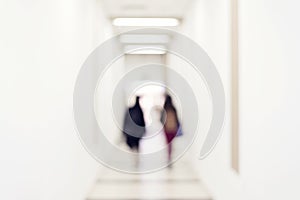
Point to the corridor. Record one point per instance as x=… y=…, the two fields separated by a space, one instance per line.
x=149 y=100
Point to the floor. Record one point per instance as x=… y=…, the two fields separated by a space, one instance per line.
x=177 y=183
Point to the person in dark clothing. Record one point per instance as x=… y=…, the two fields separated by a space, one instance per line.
x=134 y=125
x=170 y=122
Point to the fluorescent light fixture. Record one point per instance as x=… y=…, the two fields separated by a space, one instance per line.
x=144 y=38
x=145 y=49
x=148 y=52
x=145 y=22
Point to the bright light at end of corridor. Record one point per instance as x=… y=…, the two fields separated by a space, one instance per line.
x=145 y=22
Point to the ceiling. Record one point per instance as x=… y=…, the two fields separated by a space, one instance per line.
x=145 y=8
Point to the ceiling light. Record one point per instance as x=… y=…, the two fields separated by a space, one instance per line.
x=144 y=38
x=145 y=22
x=148 y=52
x=145 y=49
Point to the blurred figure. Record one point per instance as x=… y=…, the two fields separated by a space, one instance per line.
x=171 y=123
x=134 y=125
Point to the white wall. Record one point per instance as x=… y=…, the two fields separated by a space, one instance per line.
x=207 y=23
x=109 y=121
x=43 y=44
x=269 y=85
x=133 y=61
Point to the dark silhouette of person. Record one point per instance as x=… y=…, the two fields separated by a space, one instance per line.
x=134 y=125
x=170 y=122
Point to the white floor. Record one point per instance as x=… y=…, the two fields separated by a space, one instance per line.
x=179 y=182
